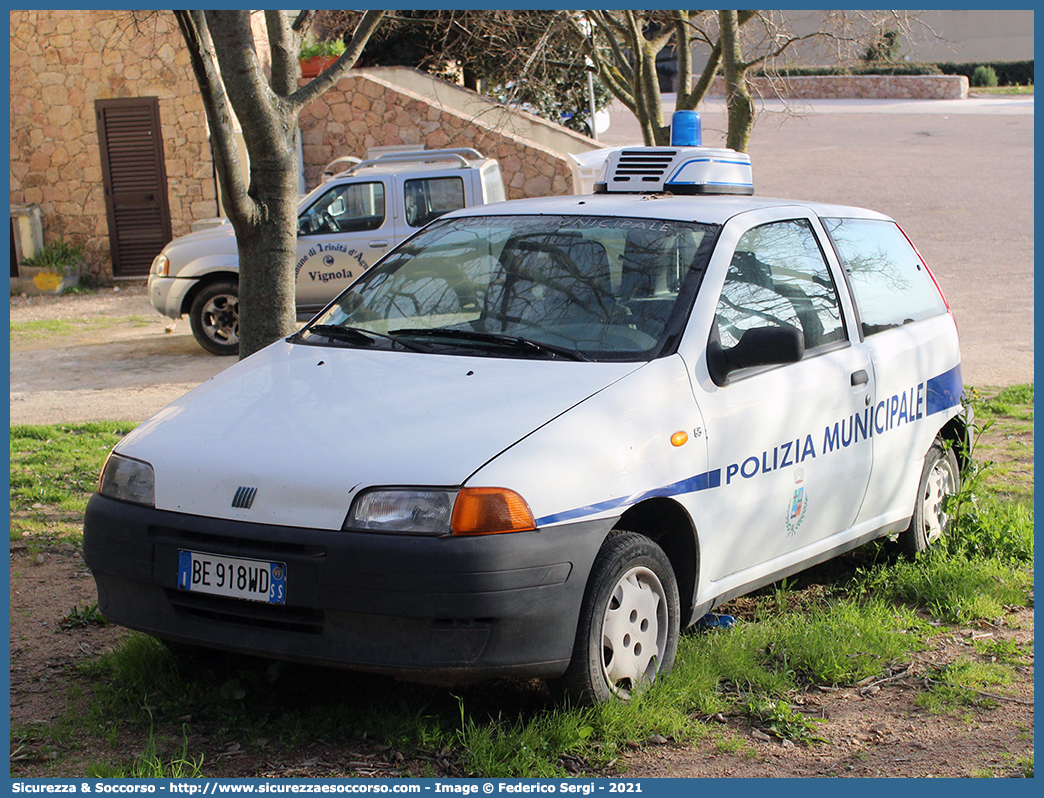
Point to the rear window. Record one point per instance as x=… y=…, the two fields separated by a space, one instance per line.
x=890 y=284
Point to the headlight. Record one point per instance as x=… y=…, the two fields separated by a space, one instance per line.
x=437 y=511
x=161 y=265
x=128 y=480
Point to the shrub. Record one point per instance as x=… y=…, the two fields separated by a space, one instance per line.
x=335 y=47
x=56 y=257
x=984 y=76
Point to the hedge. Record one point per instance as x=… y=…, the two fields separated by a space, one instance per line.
x=1009 y=73
x=855 y=69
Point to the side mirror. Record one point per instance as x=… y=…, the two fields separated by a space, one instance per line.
x=760 y=346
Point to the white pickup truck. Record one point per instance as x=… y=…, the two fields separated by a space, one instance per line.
x=344 y=226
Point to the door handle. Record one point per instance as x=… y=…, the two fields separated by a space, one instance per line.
x=378 y=244
x=860 y=378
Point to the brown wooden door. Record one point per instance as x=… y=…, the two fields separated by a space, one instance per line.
x=135 y=182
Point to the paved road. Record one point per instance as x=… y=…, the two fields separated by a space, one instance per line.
x=956 y=174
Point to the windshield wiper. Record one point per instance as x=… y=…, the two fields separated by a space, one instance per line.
x=500 y=339
x=359 y=336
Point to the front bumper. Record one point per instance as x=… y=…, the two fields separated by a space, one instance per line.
x=450 y=609
x=167 y=294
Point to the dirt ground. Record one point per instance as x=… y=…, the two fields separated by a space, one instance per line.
x=131 y=367
x=122 y=361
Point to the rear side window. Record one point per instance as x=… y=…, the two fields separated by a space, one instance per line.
x=428 y=198
x=890 y=284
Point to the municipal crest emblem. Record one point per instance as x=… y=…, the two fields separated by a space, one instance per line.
x=798 y=504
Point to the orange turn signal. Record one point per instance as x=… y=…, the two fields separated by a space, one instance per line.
x=679 y=438
x=488 y=511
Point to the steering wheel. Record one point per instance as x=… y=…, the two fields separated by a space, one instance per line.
x=326 y=223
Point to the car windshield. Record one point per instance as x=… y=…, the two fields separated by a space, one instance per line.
x=579 y=287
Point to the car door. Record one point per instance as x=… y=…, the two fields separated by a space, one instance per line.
x=340 y=235
x=787 y=444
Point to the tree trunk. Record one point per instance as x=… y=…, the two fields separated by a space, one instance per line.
x=263 y=213
x=737 y=96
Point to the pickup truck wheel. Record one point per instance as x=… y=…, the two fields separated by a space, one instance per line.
x=940 y=479
x=628 y=630
x=215 y=318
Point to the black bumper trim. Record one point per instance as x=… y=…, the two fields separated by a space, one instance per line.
x=448 y=609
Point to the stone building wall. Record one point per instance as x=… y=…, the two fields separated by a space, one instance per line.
x=858 y=87
x=61 y=62
x=362 y=111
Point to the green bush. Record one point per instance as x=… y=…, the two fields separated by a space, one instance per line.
x=57 y=257
x=307 y=51
x=984 y=76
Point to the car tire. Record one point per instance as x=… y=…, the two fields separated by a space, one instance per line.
x=940 y=479
x=214 y=317
x=628 y=630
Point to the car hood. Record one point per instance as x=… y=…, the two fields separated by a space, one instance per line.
x=213 y=241
x=310 y=426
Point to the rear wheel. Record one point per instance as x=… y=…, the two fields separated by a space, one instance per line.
x=627 y=634
x=214 y=317
x=940 y=479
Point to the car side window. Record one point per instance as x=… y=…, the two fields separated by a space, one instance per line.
x=778 y=277
x=890 y=284
x=351 y=208
x=430 y=197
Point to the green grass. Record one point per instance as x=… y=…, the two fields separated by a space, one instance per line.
x=952 y=587
x=963 y=684
x=54 y=471
x=44 y=328
x=151 y=764
x=1001 y=90
x=1004 y=443
x=1003 y=650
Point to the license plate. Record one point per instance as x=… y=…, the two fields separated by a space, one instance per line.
x=215 y=575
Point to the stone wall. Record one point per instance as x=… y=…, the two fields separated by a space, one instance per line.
x=362 y=111
x=858 y=87
x=61 y=62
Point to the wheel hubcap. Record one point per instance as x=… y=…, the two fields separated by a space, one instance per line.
x=634 y=631
x=221 y=319
x=942 y=483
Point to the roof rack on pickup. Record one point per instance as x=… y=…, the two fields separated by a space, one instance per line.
x=459 y=156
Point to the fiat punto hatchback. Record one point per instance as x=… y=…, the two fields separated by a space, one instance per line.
x=541 y=437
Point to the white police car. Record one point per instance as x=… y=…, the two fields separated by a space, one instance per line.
x=541 y=437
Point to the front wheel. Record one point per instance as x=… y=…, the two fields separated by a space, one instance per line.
x=627 y=634
x=940 y=479
x=214 y=317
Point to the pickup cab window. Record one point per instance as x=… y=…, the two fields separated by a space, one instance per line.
x=345 y=209
x=430 y=197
